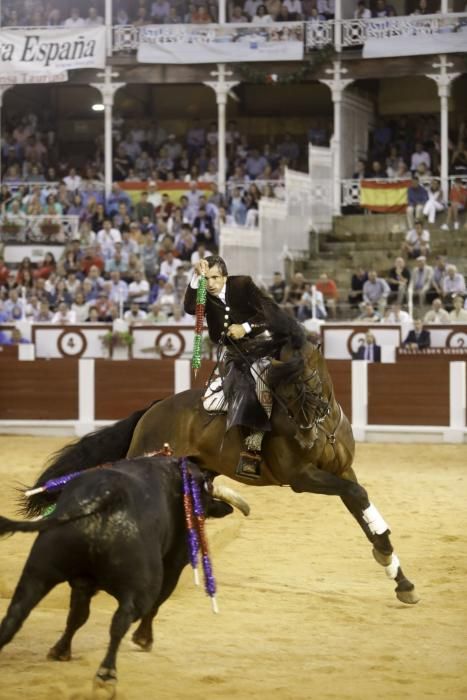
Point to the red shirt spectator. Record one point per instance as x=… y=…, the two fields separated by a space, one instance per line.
x=91 y=258
x=46 y=268
x=4 y=272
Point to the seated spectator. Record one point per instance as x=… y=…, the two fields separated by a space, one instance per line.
x=117 y=289
x=457 y=204
x=180 y=318
x=395 y=314
x=376 y=171
x=169 y=266
x=376 y=291
x=439 y=273
x=326 y=8
x=135 y=316
x=203 y=228
x=459 y=160
x=328 y=289
x=199 y=254
x=201 y=15
x=361 y=11
x=453 y=284
x=46 y=267
x=419 y=156
x=433 y=205
x=15 y=338
x=93 y=315
x=305 y=307
x=74 y=21
x=436 y=314
x=237 y=15
x=421 y=279
x=417 y=197
x=422 y=8
x=138 y=289
x=80 y=307
x=398 y=280
x=369 y=350
x=418 y=338
x=64 y=315
x=417 y=241
x=167 y=299
x=458 y=313
x=155 y=315
x=94 y=19
x=294 y=292
x=262 y=16
x=277 y=288
x=359 y=278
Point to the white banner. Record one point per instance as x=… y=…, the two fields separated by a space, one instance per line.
x=231 y=43
x=27 y=78
x=416 y=45
x=51 y=51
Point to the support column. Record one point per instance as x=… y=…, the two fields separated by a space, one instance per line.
x=337 y=85
x=443 y=79
x=222 y=15
x=107 y=90
x=221 y=87
x=108 y=26
x=338 y=25
x=3 y=89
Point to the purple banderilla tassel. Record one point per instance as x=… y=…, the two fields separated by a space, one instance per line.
x=53 y=484
x=192 y=535
x=209 y=580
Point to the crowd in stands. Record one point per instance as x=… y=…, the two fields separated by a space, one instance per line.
x=82 y=13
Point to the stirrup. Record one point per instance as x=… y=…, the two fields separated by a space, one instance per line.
x=249 y=465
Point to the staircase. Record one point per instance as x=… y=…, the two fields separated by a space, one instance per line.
x=372 y=242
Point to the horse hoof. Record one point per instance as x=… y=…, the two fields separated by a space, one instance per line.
x=409 y=597
x=57 y=655
x=143 y=643
x=383 y=559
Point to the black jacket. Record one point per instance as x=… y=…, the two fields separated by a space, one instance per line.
x=423 y=340
x=244 y=303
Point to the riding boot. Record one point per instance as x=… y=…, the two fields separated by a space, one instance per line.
x=249 y=465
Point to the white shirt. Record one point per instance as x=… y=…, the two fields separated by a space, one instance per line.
x=417 y=158
x=194 y=284
x=140 y=290
x=72 y=182
x=168 y=269
x=68 y=317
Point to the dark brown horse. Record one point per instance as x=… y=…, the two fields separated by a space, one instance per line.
x=310 y=447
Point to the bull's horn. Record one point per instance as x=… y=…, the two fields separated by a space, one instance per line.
x=224 y=493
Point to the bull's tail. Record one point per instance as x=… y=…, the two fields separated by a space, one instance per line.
x=108 y=492
x=106 y=445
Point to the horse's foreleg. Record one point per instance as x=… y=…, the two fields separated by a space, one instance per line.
x=377 y=531
x=355 y=497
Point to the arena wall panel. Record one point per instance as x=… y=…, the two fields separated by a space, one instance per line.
x=409 y=393
x=40 y=390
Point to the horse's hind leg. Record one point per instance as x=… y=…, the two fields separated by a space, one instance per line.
x=377 y=531
x=80 y=600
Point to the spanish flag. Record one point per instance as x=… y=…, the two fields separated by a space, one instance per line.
x=175 y=189
x=384 y=196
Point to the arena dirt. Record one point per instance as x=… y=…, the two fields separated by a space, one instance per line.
x=305 y=612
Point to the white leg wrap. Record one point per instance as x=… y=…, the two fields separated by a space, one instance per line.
x=391 y=570
x=375 y=521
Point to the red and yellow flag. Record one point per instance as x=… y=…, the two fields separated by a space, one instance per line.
x=384 y=196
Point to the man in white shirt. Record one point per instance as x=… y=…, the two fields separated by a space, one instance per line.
x=74 y=21
x=93 y=19
x=134 y=316
x=72 y=180
x=169 y=266
x=63 y=315
x=138 y=290
x=419 y=156
x=436 y=314
x=107 y=237
x=396 y=315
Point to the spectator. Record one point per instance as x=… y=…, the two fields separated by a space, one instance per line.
x=80 y=307
x=64 y=315
x=294 y=292
x=203 y=227
x=439 y=273
x=144 y=208
x=398 y=280
x=395 y=314
x=16 y=338
x=250 y=8
x=262 y=16
x=278 y=288
x=238 y=15
x=458 y=313
x=328 y=289
x=94 y=19
x=459 y=160
x=436 y=314
x=434 y=204
x=117 y=290
x=369 y=350
x=376 y=291
x=417 y=197
x=135 y=316
x=305 y=307
x=74 y=21
x=199 y=254
x=167 y=299
x=419 y=156
x=169 y=266
x=326 y=8
x=369 y=314
x=417 y=241
x=155 y=315
x=359 y=278
x=93 y=315
x=138 y=289
x=453 y=284
x=418 y=338
x=361 y=11
x=421 y=279
x=457 y=203
x=160 y=11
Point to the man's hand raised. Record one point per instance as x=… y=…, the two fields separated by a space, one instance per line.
x=201 y=267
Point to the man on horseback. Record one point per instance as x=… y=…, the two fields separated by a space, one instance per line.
x=236 y=316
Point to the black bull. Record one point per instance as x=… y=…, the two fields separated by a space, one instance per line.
x=120 y=529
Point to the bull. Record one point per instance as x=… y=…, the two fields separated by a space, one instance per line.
x=120 y=529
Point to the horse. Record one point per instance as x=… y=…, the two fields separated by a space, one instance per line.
x=310 y=446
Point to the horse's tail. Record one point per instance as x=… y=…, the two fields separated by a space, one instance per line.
x=108 y=444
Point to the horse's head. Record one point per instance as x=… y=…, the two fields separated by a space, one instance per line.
x=296 y=379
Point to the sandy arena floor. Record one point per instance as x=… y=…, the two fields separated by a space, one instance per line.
x=306 y=614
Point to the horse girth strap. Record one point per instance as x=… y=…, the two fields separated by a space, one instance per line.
x=331 y=437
